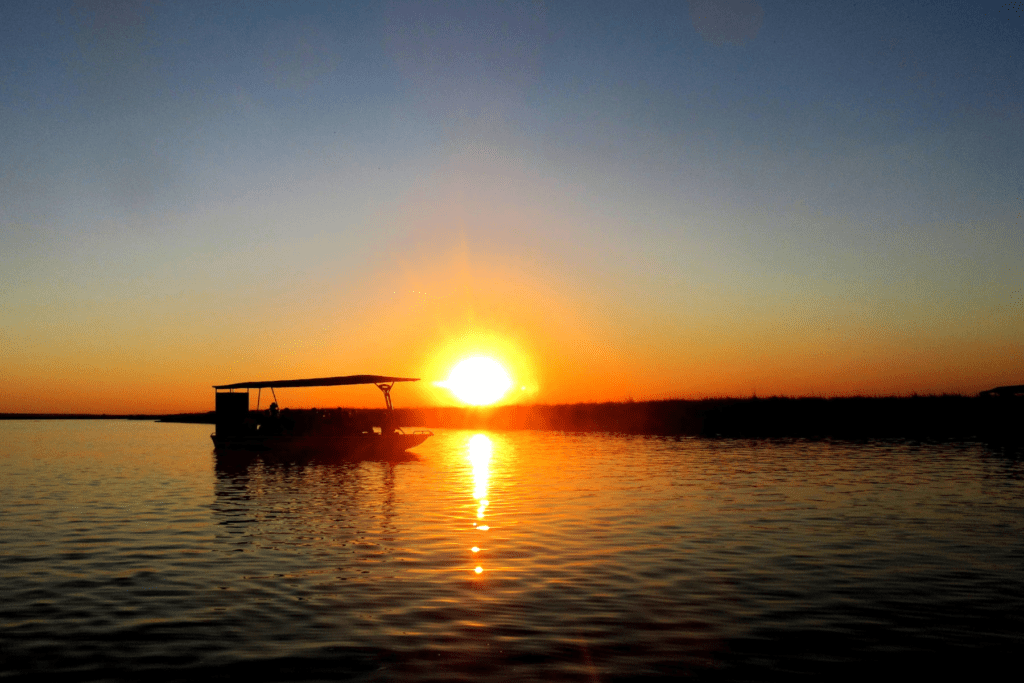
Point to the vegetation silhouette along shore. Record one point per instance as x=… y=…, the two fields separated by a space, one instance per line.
x=919 y=417
x=996 y=414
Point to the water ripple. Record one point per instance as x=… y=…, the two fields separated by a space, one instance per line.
x=130 y=549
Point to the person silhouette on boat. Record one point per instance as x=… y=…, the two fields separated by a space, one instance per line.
x=273 y=422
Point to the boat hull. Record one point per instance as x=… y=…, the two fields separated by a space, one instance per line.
x=351 y=445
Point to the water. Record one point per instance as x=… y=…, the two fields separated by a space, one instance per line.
x=130 y=550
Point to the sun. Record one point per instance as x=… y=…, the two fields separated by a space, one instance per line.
x=478 y=381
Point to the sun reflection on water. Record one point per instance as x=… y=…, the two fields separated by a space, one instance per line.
x=480 y=449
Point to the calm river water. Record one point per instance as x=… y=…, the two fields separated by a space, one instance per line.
x=130 y=550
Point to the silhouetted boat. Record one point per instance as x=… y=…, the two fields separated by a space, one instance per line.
x=1016 y=390
x=1003 y=417
x=310 y=432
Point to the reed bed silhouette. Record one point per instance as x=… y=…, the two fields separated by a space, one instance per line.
x=947 y=416
x=919 y=417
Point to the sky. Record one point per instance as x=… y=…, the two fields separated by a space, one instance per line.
x=616 y=200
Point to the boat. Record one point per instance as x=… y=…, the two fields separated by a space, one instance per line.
x=1000 y=418
x=1016 y=390
x=310 y=432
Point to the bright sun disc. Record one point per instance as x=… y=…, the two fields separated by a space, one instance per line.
x=478 y=381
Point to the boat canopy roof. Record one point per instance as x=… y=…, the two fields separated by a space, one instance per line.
x=318 y=382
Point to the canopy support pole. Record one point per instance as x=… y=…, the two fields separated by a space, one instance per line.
x=386 y=388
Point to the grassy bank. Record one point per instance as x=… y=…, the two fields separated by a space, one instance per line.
x=939 y=417
x=918 y=417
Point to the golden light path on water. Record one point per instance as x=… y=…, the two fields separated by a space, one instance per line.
x=480 y=449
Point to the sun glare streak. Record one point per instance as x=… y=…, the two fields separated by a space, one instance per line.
x=480 y=450
x=478 y=381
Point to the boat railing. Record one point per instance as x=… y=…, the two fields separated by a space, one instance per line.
x=415 y=431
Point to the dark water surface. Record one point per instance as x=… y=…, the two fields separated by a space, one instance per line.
x=130 y=550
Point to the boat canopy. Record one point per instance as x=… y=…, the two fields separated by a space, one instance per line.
x=318 y=382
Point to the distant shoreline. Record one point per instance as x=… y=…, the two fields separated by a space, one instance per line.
x=922 y=417
x=194 y=418
x=916 y=417
x=74 y=416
